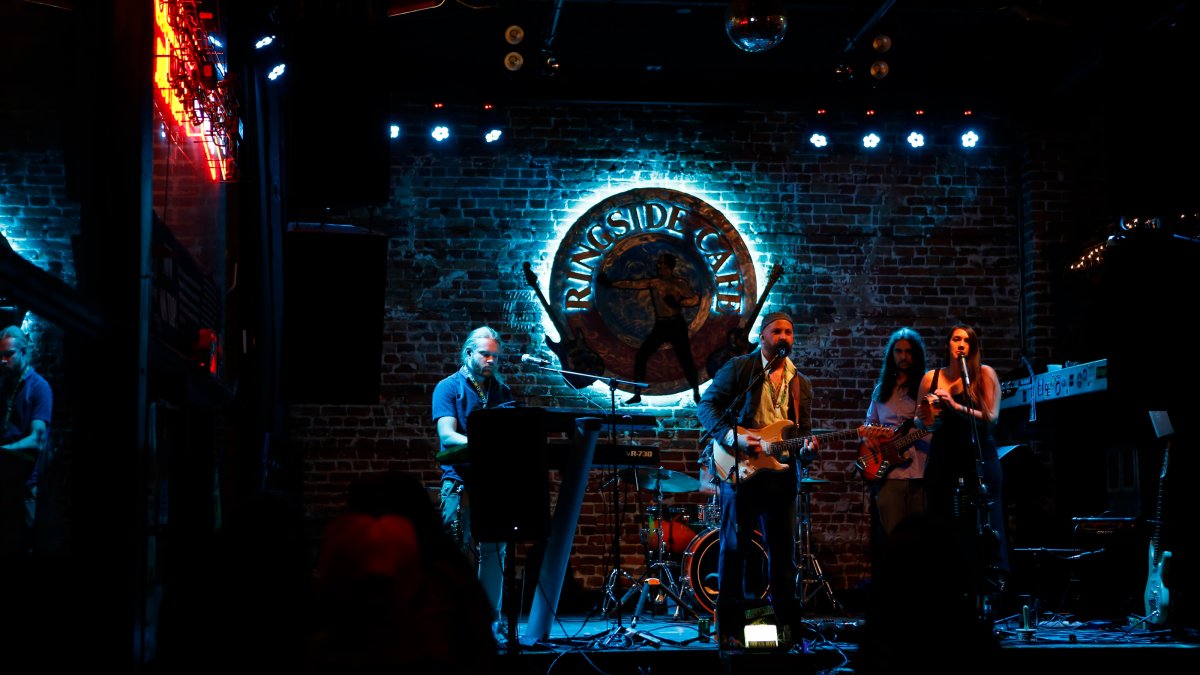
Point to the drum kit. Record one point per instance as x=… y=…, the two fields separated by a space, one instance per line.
x=682 y=549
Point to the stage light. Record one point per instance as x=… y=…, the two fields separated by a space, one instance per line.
x=819 y=138
x=762 y=635
x=491 y=123
x=871 y=139
x=264 y=41
x=439 y=124
x=276 y=72
x=394 y=131
x=916 y=135
x=970 y=137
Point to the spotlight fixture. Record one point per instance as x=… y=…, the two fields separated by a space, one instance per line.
x=490 y=124
x=756 y=25
x=970 y=137
x=916 y=136
x=439 y=125
x=514 y=35
x=880 y=69
x=819 y=138
x=881 y=43
x=871 y=141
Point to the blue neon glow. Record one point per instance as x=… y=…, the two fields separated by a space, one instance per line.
x=650 y=179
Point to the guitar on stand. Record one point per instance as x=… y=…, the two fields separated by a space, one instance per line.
x=572 y=352
x=1157 y=597
x=739 y=337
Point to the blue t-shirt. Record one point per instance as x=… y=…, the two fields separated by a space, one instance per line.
x=455 y=397
x=34 y=401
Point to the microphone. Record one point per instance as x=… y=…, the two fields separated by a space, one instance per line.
x=784 y=349
x=526 y=358
x=962 y=365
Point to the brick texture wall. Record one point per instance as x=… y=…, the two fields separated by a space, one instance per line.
x=870 y=242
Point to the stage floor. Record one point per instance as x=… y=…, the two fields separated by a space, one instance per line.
x=588 y=643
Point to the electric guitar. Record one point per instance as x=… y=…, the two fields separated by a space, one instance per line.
x=776 y=448
x=573 y=353
x=875 y=460
x=1157 y=597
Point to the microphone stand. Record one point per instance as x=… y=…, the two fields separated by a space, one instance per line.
x=984 y=533
x=619 y=632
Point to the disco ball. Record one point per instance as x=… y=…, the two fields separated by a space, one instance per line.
x=755 y=25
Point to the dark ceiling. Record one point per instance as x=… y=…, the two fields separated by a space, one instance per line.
x=957 y=53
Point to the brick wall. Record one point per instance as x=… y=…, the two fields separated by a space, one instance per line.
x=869 y=241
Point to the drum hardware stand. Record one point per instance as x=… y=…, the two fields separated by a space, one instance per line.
x=810 y=579
x=652 y=581
x=618 y=635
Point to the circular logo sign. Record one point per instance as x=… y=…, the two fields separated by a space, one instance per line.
x=652 y=286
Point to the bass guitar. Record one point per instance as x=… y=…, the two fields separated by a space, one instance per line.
x=572 y=352
x=876 y=459
x=776 y=448
x=1157 y=596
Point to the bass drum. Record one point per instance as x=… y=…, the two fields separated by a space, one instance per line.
x=698 y=582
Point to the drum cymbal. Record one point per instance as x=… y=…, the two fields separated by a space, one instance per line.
x=666 y=480
x=810 y=481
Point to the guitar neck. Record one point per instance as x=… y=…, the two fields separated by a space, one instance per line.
x=901 y=442
x=787 y=446
x=531 y=280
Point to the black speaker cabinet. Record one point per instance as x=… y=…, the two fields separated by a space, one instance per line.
x=333 y=302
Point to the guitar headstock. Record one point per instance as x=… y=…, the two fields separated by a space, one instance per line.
x=774 y=274
x=530 y=277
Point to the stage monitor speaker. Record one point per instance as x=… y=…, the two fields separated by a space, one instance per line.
x=510 y=488
x=335 y=145
x=333 y=305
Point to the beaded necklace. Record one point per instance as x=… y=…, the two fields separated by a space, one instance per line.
x=483 y=395
x=777 y=396
x=12 y=398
